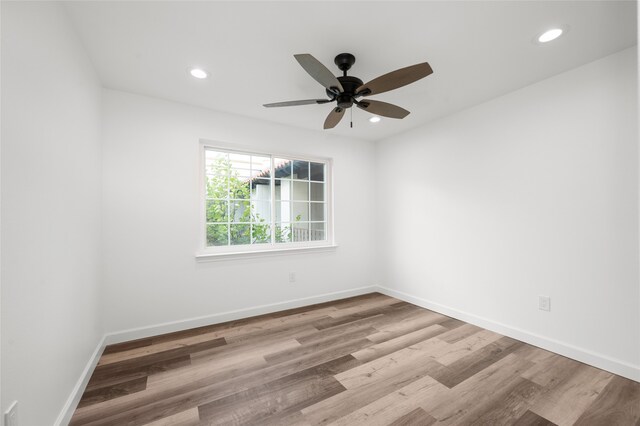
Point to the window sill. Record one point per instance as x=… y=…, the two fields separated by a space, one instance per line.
x=213 y=257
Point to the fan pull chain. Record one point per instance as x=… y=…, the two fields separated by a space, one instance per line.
x=351 y=117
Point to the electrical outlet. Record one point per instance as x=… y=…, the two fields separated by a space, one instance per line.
x=11 y=415
x=544 y=303
x=292 y=277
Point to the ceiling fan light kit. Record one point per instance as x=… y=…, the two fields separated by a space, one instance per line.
x=347 y=90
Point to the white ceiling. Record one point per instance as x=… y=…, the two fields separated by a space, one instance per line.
x=477 y=49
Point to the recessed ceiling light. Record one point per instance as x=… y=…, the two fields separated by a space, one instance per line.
x=374 y=119
x=198 y=73
x=550 y=35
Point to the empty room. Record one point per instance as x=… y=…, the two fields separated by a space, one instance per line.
x=319 y=213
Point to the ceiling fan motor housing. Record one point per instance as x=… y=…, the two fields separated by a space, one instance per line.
x=350 y=84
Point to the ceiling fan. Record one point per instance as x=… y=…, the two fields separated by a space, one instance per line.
x=345 y=90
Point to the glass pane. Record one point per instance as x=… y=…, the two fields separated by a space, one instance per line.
x=260 y=189
x=217 y=186
x=317 y=211
x=260 y=166
x=301 y=169
x=300 y=191
x=260 y=233
x=239 y=175
x=317 y=191
x=215 y=161
x=283 y=211
x=283 y=232
x=317 y=231
x=239 y=211
x=282 y=168
x=261 y=211
x=240 y=234
x=283 y=190
x=300 y=232
x=239 y=188
x=217 y=211
x=317 y=171
x=300 y=212
x=217 y=235
x=240 y=161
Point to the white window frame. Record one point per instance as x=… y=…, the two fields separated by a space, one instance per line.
x=218 y=252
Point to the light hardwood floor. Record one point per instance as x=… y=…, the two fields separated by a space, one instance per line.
x=367 y=360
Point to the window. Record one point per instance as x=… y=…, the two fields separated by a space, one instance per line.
x=255 y=202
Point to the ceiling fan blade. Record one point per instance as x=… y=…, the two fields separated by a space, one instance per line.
x=319 y=72
x=395 y=79
x=333 y=118
x=382 y=108
x=295 y=103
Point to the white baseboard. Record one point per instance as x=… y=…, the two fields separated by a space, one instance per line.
x=586 y=356
x=137 y=333
x=169 y=327
x=72 y=402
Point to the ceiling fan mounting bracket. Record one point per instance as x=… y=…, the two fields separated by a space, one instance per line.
x=344 y=61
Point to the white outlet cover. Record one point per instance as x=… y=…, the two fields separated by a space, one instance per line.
x=544 y=303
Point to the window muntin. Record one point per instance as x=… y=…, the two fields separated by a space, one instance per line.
x=258 y=201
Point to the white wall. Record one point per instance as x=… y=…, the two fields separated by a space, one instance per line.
x=50 y=210
x=533 y=193
x=151 y=216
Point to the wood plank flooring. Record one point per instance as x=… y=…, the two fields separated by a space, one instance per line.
x=366 y=360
